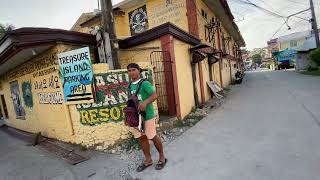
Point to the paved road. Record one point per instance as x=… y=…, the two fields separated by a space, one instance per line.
x=18 y=161
x=268 y=129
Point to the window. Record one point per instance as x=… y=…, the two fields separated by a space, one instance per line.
x=293 y=43
x=204 y=14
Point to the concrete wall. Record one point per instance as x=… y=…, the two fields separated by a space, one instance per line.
x=206 y=78
x=158 y=11
x=36 y=79
x=216 y=73
x=185 y=81
x=302 y=62
x=100 y=135
x=286 y=44
x=226 y=72
x=184 y=76
x=55 y=119
x=140 y=53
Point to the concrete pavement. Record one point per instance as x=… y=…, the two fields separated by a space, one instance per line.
x=19 y=161
x=268 y=129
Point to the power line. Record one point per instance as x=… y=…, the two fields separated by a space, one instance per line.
x=248 y=2
x=278 y=30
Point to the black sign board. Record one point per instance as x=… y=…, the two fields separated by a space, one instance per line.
x=138 y=20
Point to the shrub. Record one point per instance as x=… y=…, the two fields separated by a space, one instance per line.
x=311 y=68
x=314 y=56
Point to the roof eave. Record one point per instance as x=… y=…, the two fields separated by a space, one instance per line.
x=157 y=32
x=32 y=37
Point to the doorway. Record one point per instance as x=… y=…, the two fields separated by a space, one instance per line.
x=3 y=108
x=162 y=64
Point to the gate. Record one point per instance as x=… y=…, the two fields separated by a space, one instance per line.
x=163 y=78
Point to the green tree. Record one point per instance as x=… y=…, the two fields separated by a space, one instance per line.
x=257 y=58
x=5 y=28
x=314 y=56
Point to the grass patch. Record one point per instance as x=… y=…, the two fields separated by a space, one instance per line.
x=131 y=143
x=193 y=118
x=227 y=88
x=312 y=73
x=83 y=148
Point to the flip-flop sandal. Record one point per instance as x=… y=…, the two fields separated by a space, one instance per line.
x=143 y=167
x=161 y=164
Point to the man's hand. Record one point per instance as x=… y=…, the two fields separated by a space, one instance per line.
x=142 y=106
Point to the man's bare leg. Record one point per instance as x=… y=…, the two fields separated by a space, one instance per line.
x=145 y=146
x=158 y=144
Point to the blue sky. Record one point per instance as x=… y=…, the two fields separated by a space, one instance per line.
x=256 y=26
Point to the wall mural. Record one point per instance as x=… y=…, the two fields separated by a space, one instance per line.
x=15 y=95
x=27 y=94
x=111 y=97
x=138 y=20
x=76 y=75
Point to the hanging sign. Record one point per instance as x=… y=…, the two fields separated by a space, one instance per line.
x=76 y=76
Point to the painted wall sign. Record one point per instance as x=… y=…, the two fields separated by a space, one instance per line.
x=45 y=64
x=138 y=20
x=76 y=75
x=27 y=94
x=111 y=98
x=51 y=82
x=15 y=95
x=50 y=98
x=286 y=55
x=169 y=11
x=44 y=72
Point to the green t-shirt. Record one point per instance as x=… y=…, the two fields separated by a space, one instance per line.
x=144 y=93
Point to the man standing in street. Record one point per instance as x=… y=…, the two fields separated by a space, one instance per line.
x=146 y=95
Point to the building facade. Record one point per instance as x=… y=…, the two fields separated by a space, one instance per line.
x=181 y=45
x=160 y=32
x=288 y=46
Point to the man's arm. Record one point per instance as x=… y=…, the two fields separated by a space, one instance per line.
x=151 y=99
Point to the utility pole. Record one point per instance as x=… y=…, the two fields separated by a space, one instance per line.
x=314 y=24
x=109 y=34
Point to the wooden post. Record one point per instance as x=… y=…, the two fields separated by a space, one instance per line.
x=109 y=34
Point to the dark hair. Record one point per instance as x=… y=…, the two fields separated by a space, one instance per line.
x=133 y=65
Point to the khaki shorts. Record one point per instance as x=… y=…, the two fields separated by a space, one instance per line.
x=149 y=129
